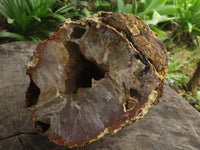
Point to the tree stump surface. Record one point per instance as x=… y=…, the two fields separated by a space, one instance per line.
x=171 y=124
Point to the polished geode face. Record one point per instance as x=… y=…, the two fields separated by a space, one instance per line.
x=88 y=80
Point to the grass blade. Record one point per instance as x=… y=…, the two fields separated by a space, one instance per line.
x=66 y=8
x=12 y=35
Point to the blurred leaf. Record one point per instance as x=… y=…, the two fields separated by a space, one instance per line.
x=66 y=8
x=83 y=3
x=12 y=35
x=34 y=38
x=102 y=3
x=9 y=20
x=198 y=95
x=37 y=18
x=121 y=7
x=167 y=10
x=58 y=17
x=141 y=7
x=197 y=106
x=152 y=5
x=189 y=26
x=86 y=12
x=128 y=8
x=162 y=37
x=157 y=18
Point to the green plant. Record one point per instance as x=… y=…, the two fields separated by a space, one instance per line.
x=188 y=22
x=80 y=9
x=32 y=19
x=193 y=100
x=179 y=66
x=196 y=103
x=189 y=15
x=152 y=11
x=100 y=5
x=161 y=35
x=121 y=7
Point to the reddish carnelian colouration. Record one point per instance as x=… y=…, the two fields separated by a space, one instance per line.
x=93 y=77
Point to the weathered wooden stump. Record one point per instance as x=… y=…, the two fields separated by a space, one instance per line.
x=172 y=124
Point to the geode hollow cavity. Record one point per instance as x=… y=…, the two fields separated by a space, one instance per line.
x=93 y=77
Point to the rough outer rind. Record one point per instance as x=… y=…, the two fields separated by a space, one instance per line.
x=141 y=36
x=132 y=27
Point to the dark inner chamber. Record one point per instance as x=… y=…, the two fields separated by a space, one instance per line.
x=32 y=94
x=81 y=71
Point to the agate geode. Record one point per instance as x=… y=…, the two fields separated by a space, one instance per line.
x=93 y=77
